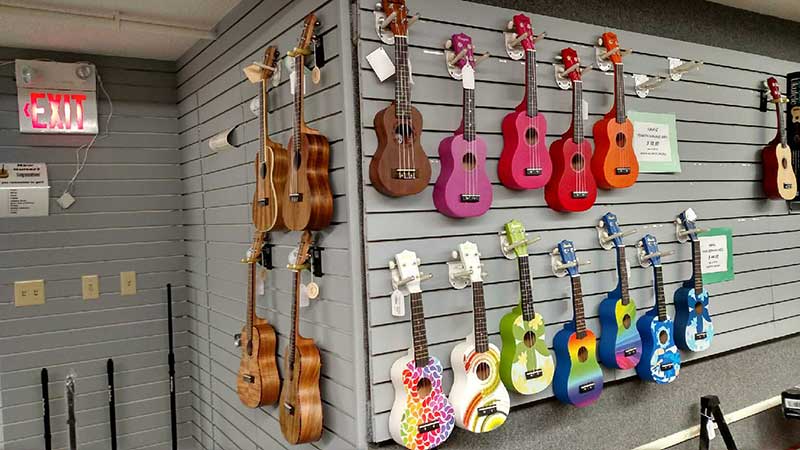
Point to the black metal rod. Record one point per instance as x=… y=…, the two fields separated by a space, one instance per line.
x=48 y=444
x=112 y=405
x=171 y=361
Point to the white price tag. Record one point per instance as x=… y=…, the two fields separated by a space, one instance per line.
x=468 y=77
x=381 y=64
x=398 y=304
x=293 y=82
x=585 y=110
x=261 y=276
x=410 y=73
x=710 y=427
x=303 y=296
x=652 y=142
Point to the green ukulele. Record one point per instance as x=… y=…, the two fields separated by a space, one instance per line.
x=526 y=365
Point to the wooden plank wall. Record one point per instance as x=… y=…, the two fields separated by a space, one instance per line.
x=720 y=131
x=213 y=95
x=127 y=217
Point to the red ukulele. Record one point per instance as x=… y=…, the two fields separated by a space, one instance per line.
x=525 y=163
x=614 y=163
x=572 y=187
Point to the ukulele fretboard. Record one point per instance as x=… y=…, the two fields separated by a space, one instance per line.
x=619 y=92
x=469 y=114
x=418 y=330
x=577 y=304
x=577 y=111
x=402 y=89
x=622 y=268
x=697 y=267
x=658 y=287
x=479 y=313
x=532 y=104
x=525 y=288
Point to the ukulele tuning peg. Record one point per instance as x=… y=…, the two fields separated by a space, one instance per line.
x=454 y=254
x=378 y=7
x=510 y=25
x=448 y=44
x=600 y=41
x=518 y=39
x=392 y=265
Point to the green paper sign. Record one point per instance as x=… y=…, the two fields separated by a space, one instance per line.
x=716 y=255
x=655 y=142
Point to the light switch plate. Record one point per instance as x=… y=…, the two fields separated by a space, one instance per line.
x=91 y=287
x=127 y=283
x=27 y=293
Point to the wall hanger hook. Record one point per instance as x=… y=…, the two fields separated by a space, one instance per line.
x=482 y=58
x=388 y=20
x=645 y=84
x=645 y=259
x=559 y=268
x=413 y=19
x=508 y=249
x=677 y=67
x=518 y=39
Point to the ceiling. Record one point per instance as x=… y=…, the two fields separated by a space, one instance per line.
x=785 y=9
x=88 y=26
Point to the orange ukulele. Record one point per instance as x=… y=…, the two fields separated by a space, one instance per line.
x=272 y=161
x=258 y=382
x=614 y=163
x=301 y=404
x=780 y=181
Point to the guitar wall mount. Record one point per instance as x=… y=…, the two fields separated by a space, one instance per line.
x=512 y=41
x=676 y=69
x=450 y=59
x=562 y=80
x=558 y=266
x=602 y=56
x=645 y=259
x=382 y=24
x=457 y=274
x=606 y=240
x=508 y=249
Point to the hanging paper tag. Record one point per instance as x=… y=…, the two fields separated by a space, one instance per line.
x=398 y=304
x=316 y=75
x=253 y=73
x=261 y=277
x=292 y=257
x=312 y=289
x=293 y=82
x=468 y=77
x=710 y=426
x=381 y=64
x=303 y=296
x=585 y=110
x=410 y=73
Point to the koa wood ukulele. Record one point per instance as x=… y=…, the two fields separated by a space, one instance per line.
x=572 y=187
x=479 y=398
x=400 y=166
x=257 y=382
x=272 y=160
x=694 y=329
x=301 y=403
x=578 y=380
x=660 y=361
x=780 y=181
x=525 y=162
x=307 y=201
x=421 y=416
x=526 y=365
x=614 y=163
x=463 y=188
x=620 y=344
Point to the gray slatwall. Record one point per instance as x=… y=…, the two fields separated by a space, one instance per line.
x=127 y=217
x=213 y=95
x=720 y=132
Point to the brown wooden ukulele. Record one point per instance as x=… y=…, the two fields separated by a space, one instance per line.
x=272 y=161
x=308 y=201
x=258 y=382
x=400 y=166
x=301 y=404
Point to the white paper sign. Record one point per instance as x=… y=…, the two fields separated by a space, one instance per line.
x=24 y=190
x=381 y=64
x=714 y=254
x=468 y=77
x=652 y=142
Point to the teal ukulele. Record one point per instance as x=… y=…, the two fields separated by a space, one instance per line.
x=526 y=365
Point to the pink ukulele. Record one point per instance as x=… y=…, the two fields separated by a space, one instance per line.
x=525 y=162
x=463 y=188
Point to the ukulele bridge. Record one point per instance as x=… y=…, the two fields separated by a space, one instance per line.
x=249 y=378
x=487 y=410
x=405 y=174
x=700 y=336
x=787 y=185
x=533 y=172
x=533 y=374
x=428 y=427
x=264 y=201
x=588 y=387
x=580 y=194
x=289 y=408
x=296 y=197
x=470 y=198
x=666 y=367
x=623 y=170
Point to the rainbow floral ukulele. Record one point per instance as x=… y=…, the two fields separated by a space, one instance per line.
x=620 y=344
x=421 y=416
x=526 y=365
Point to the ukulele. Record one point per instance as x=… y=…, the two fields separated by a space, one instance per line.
x=620 y=344
x=693 y=327
x=400 y=166
x=524 y=162
x=421 y=416
x=578 y=380
x=572 y=187
x=308 y=202
x=660 y=361
x=480 y=401
x=272 y=161
x=526 y=365
x=257 y=382
x=463 y=188
x=614 y=163
x=779 y=177
x=301 y=403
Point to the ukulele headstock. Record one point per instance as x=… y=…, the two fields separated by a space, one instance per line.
x=774 y=89
x=405 y=272
x=610 y=42
x=570 y=58
x=609 y=232
x=254 y=252
x=398 y=10
x=303 y=252
x=271 y=56
x=514 y=240
x=564 y=261
x=648 y=251
x=466 y=267
x=685 y=226
x=303 y=45
x=463 y=43
x=522 y=25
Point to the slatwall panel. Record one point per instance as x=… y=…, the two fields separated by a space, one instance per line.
x=127 y=217
x=213 y=95
x=720 y=131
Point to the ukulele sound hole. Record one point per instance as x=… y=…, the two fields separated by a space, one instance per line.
x=663 y=336
x=583 y=354
x=469 y=161
x=483 y=371
x=297 y=160
x=424 y=387
x=785 y=163
x=531 y=136
x=621 y=139
x=403 y=133
x=698 y=308
x=626 y=321
x=263 y=171
x=530 y=339
x=577 y=162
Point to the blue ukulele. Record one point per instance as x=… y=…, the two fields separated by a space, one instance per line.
x=660 y=361
x=693 y=327
x=620 y=344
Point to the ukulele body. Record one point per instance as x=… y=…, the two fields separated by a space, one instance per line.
x=525 y=162
x=480 y=405
x=780 y=182
x=694 y=329
x=660 y=361
x=313 y=209
x=614 y=164
x=572 y=187
x=388 y=157
x=578 y=380
x=301 y=403
x=419 y=420
x=463 y=172
x=260 y=364
x=620 y=344
x=526 y=365
x=271 y=165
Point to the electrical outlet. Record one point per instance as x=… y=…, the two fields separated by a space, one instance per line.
x=28 y=293
x=127 y=283
x=91 y=287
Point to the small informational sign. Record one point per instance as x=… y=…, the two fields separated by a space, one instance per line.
x=716 y=255
x=655 y=142
x=24 y=191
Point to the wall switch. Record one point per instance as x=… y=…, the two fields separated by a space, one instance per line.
x=127 y=283
x=91 y=287
x=28 y=293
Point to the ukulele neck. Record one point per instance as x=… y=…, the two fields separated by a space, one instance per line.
x=251 y=299
x=299 y=88
x=531 y=95
x=295 y=320
x=418 y=330
x=622 y=270
x=781 y=122
x=577 y=304
x=658 y=288
x=479 y=313
x=697 y=267
x=263 y=98
x=402 y=88
x=525 y=288
x=619 y=93
x=577 y=111
x=469 y=114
